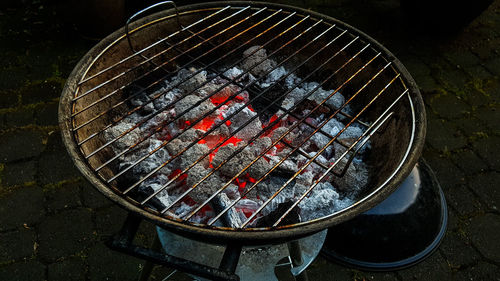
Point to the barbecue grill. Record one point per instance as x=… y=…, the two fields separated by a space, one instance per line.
x=380 y=97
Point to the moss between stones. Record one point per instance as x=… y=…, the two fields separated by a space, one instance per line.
x=52 y=186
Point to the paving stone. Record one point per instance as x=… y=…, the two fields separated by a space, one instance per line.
x=443 y=135
x=487 y=148
x=449 y=106
x=19 y=173
x=426 y=84
x=105 y=264
x=469 y=162
x=485 y=185
x=18 y=118
x=24 y=205
x=322 y=269
x=159 y=273
x=454 y=222
x=453 y=77
x=46 y=115
x=458 y=251
x=145 y=234
x=22 y=144
x=479 y=272
x=484 y=233
x=17 y=244
x=432 y=268
x=446 y=172
x=65 y=233
x=462 y=58
x=55 y=164
x=490 y=115
x=93 y=198
x=30 y=270
x=493 y=65
x=41 y=91
x=63 y=197
x=72 y=269
x=478 y=71
x=470 y=125
x=9 y=98
x=463 y=200
x=109 y=220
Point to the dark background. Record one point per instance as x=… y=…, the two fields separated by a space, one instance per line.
x=53 y=224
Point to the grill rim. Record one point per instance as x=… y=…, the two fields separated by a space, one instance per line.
x=245 y=236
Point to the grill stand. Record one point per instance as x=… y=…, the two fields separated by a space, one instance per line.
x=122 y=242
x=300 y=254
x=255 y=262
x=399 y=232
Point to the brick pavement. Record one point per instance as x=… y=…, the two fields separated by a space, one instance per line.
x=53 y=224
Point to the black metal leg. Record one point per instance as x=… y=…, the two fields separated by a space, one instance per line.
x=148 y=265
x=230 y=258
x=122 y=242
x=296 y=257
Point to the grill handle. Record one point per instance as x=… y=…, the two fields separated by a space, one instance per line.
x=141 y=12
x=122 y=242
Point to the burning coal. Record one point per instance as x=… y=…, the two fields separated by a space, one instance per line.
x=227 y=141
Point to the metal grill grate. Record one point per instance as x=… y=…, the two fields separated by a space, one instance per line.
x=213 y=40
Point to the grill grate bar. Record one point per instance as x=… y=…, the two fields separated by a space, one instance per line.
x=233 y=114
x=154 y=114
x=218 y=89
x=162 y=64
x=324 y=147
x=305 y=154
x=200 y=118
x=380 y=120
x=175 y=85
x=150 y=46
x=272 y=124
x=241 y=127
x=286 y=133
x=168 y=105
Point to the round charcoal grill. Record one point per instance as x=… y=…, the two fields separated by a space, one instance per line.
x=380 y=94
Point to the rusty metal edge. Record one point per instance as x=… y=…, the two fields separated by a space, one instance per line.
x=245 y=237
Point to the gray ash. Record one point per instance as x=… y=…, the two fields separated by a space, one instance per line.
x=174 y=128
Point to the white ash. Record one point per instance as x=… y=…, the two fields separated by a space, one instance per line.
x=162 y=195
x=232 y=216
x=192 y=83
x=183 y=210
x=335 y=101
x=232 y=191
x=125 y=141
x=150 y=163
x=259 y=60
x=239 y=75
x=239 y=161
x=273 y=77
x=237 y=121
x=144 y=101
x=183 y=107
x=279 y=132
x=175 y=146
x=207 y=187
x=324 y=199
x=259 y=168
x=191 y=135
x=208 y=89
x=261 y=144
x=194 y=153
x=163 y=98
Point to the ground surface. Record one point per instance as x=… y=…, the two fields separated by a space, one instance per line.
x=53 y=224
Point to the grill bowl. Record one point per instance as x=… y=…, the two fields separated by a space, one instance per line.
x=394 y=151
